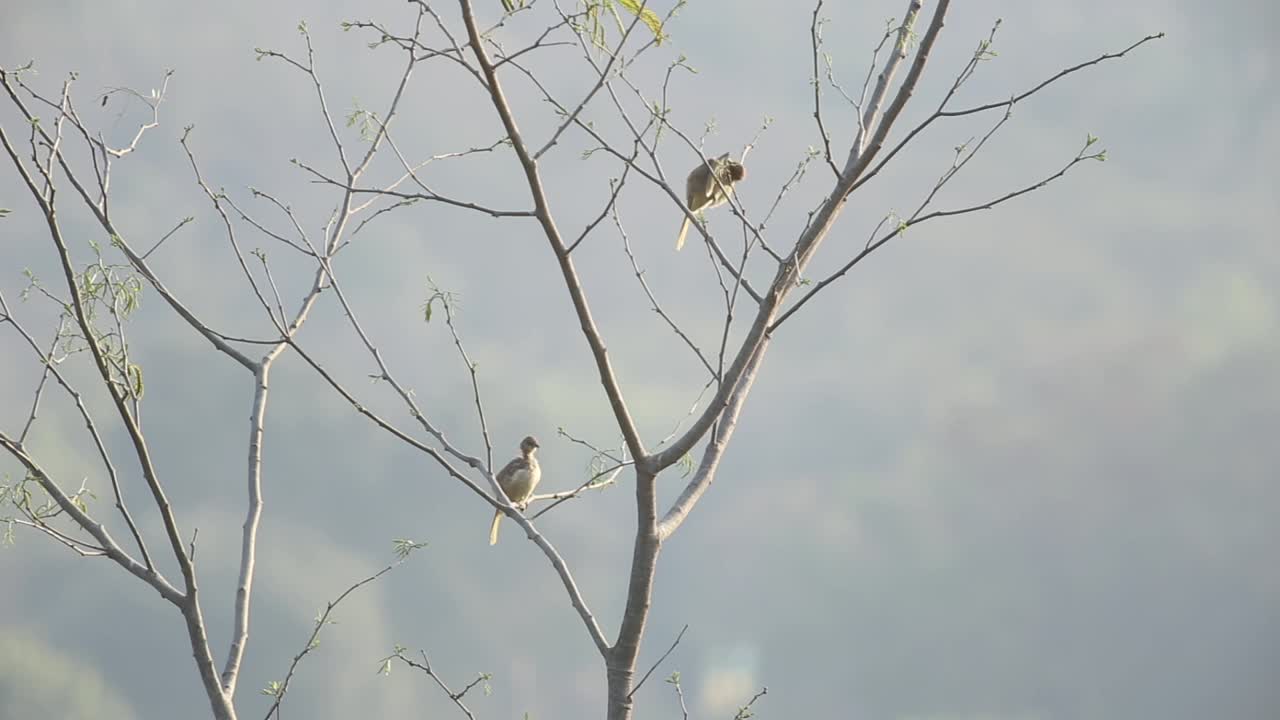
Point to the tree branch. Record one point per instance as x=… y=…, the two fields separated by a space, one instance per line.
x=589 y=330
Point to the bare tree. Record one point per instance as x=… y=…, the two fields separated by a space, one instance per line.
x=57 y=155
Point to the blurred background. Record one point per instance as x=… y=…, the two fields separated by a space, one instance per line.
x=1019 y=464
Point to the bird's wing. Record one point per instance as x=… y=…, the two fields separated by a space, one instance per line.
x=718 y=164
x=510 y=469
x=695 y=188
x=715 y=196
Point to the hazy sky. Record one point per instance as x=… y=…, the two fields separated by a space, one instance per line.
x=1019 y=464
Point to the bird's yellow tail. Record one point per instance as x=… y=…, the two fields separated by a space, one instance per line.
x=493 y=529
x=684 y=230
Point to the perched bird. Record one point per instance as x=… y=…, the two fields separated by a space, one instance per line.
x=701 y=192
x=518 y=479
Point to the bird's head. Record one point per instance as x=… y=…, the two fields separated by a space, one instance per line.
x=737 y=171
x=529 y=445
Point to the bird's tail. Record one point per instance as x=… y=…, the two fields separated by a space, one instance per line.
x=684 y=230
x=493 y=529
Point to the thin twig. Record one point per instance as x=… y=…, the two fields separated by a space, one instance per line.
x=599 y=480
x=815 y=40
x=940 y=113
x=872 y=247
x=674 y=681
x=425 y=667
x=475 y=379
x=322 y=619
x=744 y=712
x=655 y=665
x=653 y=300
x=181 y=224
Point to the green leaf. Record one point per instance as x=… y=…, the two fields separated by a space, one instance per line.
x=404 y=546
x=135 y=374
x=508 y=6
x=686 y=465
x=273 y=689
x=647 y=16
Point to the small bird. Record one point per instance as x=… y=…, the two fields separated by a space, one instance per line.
x=518 y=479
x=701 y=192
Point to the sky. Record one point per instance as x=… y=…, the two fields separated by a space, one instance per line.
x=1018 y=464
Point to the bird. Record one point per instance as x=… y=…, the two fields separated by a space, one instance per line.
x=518 y=478
x=702 y=192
